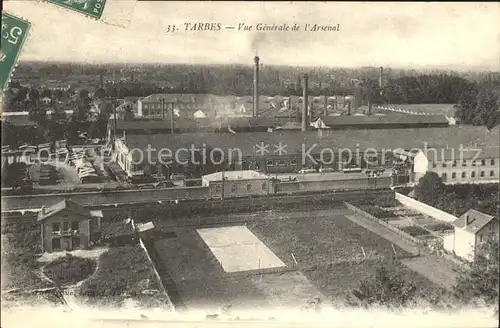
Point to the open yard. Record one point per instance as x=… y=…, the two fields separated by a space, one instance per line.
x=329 y=249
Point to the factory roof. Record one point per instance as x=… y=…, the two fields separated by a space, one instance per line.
x=415 y=109
x=455 y=154
x=295 y=142
x=372 y=120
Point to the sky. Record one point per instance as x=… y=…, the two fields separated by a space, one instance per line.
x=399 y=35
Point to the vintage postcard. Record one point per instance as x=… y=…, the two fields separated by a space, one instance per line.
x=250 y=163
x=115 y=12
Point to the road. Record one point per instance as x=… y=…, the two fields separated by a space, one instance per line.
x=436 y=269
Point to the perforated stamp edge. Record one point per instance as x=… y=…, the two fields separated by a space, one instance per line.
x=114 y=12
x=21 y=49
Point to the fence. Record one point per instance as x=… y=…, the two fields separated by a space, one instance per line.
x=425 y=209
x=382 y=223
x=158 y=277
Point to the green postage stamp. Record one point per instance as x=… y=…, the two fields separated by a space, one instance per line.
x=14 y=34
x=92 y=8
x=114 y=12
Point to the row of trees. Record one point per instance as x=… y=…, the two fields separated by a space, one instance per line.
x=457 y=199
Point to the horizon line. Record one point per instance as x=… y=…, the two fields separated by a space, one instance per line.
x=472 y=68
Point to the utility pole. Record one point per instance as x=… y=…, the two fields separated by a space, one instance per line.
x=172 y=119
x=162 y=101
x=223 y=183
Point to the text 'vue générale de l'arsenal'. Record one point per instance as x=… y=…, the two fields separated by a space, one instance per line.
x=259 y=27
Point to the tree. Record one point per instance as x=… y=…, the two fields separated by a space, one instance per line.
x=386 y=288
x=430 y=187
x=100 y=93
x=480 y=281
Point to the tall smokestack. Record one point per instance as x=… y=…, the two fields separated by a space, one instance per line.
x=381 y=78
x=326 y=106
x=305 y=93
x=101 y=80
x=349 y=108
x=256 y=87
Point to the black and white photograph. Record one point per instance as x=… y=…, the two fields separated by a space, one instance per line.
x=250 y=163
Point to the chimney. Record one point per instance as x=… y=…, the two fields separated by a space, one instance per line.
x=468 y=220
x=369 y=105
x=101 y=80
x=256 y=87
x=349 y=108
x=305 y=120
x=326 y=106
x=172 y=116
x=124 y=135
x=43 y=210
x=381 y=79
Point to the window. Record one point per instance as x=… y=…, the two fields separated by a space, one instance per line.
x=269 y=163
x=482 y=173
x=464 y=175
x=492 y=162
x=293 y=162
x=454 y=164
x=473 y=174
x=453 y=175
x=264 y=186
x=434 y=164
x=249 y=186
x=281 y=163
x=56 y=244
x=443 y=176
x=492 y=173
x=65 y=226
x=75 y=242
x=234 y=188
x=464 y=163
x=483 y=162
x=473 y=163
x=218 y=188
x=444 y=164
x=75 y=226
x=56 y=227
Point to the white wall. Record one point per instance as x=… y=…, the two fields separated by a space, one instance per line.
x=420 y=165
x=464 y=244
x=425 y=209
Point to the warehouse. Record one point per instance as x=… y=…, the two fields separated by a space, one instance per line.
x=285 y=151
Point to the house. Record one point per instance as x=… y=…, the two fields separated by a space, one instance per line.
x=459 y=166
x=238 y=183
x=67 y=226
x=471 y=229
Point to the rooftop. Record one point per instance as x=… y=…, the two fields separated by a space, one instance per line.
x=249 y=143
x=389 y=119
x=452 y=154
x=66 y=204
x=236 y=175
x=477 y=220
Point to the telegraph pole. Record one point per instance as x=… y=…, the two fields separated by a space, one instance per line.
x=162 y=101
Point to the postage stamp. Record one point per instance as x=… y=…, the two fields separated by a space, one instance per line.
x=92 y=8
x=115 y=12
x=14 y=34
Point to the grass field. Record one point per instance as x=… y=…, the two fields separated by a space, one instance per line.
x=326 y=245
